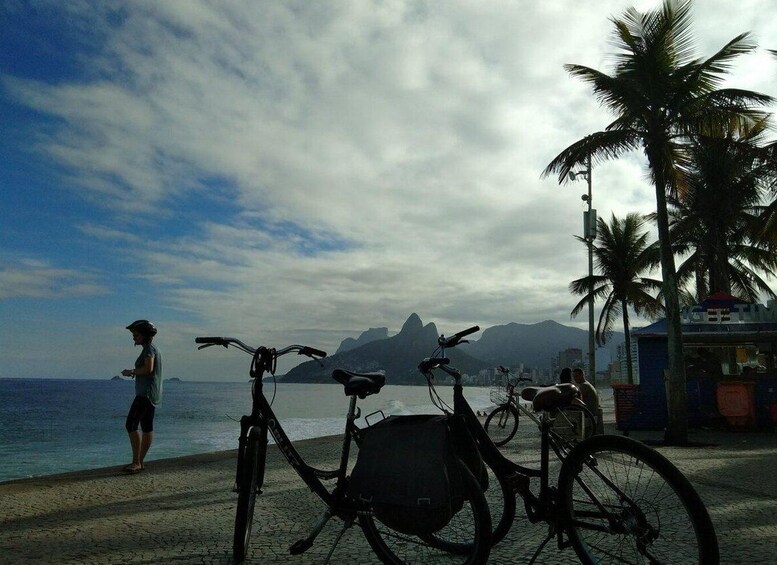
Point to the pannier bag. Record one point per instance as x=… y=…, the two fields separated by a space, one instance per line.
x=408 y=472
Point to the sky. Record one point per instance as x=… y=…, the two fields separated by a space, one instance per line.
x=298 y=172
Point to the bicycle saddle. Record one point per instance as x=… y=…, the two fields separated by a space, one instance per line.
x=360 y=384
x=550 y=397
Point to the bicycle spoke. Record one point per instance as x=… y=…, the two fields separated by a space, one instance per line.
x=628 y=504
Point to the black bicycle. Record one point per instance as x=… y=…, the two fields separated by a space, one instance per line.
x=616 y=500
x=470 y=526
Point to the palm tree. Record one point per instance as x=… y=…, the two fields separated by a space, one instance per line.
x=621 y=255
x=718 y=221
x=661 y=96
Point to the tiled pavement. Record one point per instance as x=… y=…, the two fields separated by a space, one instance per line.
x=182 y=510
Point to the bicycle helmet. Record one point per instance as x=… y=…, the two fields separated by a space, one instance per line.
x=143 y=327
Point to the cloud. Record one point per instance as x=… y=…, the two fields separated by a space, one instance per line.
x=30 y=278
x=379 y=158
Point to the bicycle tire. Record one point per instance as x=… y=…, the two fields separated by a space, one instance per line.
x=501 y=424
x=248 y=489
x=472 y=523
x=653 y=514
x=501 y=505
x=526 y=441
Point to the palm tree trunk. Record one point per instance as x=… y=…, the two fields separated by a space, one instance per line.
x=719 y=275
x=701 y=286
x=627 y=333
x=676 y=393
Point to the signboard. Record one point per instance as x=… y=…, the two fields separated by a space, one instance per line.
x=735 y=314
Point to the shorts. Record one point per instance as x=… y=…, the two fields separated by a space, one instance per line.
x=141 y=414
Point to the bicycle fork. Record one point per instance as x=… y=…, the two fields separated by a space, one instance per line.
x=246 y=425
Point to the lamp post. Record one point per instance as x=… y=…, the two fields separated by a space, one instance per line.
x=589 y=234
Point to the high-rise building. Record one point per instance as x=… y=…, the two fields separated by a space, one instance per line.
x=623 y=360
x=571 y=358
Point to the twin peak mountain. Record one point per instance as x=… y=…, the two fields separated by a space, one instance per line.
x=398 y=356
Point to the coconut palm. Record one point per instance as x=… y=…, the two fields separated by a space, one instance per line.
x=661 y=96
x=621 y=256
x=718 y=222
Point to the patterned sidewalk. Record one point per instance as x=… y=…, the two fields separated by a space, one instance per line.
x=182 y=510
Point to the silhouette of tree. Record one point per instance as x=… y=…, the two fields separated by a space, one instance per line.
x=661 y=96
x=621 y=256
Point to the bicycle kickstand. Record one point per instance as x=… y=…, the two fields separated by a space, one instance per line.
x=346 y=524
x=551 y=533
x=301 y=546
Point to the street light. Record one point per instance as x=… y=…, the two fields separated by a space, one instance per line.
x=589 y=235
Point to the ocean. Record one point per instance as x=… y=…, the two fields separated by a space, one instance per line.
x=50 y=426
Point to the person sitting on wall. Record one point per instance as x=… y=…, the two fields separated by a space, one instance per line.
x=589 y=396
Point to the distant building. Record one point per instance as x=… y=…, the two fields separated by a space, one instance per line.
x=614 y=372
x=623 y=360
x=572 y=357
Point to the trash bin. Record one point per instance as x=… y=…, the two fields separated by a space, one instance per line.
x=736 y=403
x=638 y=409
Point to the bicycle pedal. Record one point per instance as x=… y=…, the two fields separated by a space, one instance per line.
x=300 y=546
x=519 y=483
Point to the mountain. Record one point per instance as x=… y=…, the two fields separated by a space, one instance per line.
x=534 y=344
x=372 y=334
x=398 y=356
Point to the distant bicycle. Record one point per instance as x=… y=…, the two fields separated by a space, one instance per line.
x=570 y=424
x=615 y=501
x=471 y=523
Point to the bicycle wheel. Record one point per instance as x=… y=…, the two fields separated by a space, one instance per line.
x=469 y=530
x=626 y=503
x=524 y=449
x=501 y=504
x=253 y=458
x=501 y=424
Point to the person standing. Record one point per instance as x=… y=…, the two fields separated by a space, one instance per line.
x=589 y=395
x=148 y=393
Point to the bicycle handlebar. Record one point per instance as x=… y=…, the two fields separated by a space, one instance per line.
x=455 y=339
x=227 y=341
x=312 y=352
x=430 y=363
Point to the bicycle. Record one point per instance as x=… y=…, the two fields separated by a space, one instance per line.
x=616 y=500
x=471 y=523
x=571 y=424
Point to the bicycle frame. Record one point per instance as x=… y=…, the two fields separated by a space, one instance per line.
x=539 y=507
x=263 y=417
x=536 y=506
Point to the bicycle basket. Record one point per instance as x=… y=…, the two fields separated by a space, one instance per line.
x=499 y=394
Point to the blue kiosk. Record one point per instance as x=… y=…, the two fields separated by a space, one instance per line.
x=730 y=349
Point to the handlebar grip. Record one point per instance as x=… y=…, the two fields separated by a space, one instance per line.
x=466 y=332
x=210 y=340
x=206 y=341
x=431 y=363
x=456 y=338
x=312 y=352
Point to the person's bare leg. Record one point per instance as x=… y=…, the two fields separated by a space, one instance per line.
x=135 y=443
x=145 y=443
